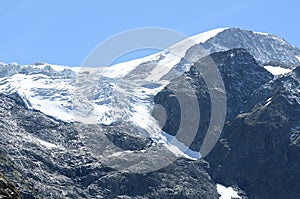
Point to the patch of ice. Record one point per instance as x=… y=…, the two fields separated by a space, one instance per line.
x=261 y=33
x=142 y=118
x=277 y=70
x=38 y=141
x=297 y=57
x=116 y=154
x=179 y=148
x=47 y=144
x=227 y=192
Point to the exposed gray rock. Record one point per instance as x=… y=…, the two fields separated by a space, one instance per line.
x=267 y=49
x=259 y=150
x=47 y=158
x=242 y=76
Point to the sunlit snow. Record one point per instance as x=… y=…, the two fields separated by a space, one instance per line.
x=261 y=33
x=277 y=70
x=54 y=95
x=227 y=192
x=47 y=144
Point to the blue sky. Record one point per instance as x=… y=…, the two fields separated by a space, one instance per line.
x=65 y=31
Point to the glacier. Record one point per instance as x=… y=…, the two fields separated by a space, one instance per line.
x=108 y=95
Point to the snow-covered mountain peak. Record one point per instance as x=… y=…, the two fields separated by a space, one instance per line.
x=124 y=92
x=167 y=58
x=27 y=78
x=181 y=47
x=55 y=67
x=267 y=49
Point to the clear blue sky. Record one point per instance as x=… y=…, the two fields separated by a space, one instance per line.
x=65 y=31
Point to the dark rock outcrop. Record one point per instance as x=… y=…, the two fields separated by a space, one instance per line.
x=8 y=190
x=241 y=75
x=258 y=150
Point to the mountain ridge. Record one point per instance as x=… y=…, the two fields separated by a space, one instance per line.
x=113 y=106
x=69 y=94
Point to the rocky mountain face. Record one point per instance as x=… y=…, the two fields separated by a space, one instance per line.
x=241 y=75
x=259 y=148
x=49 y=153
x=267 y=49
x=47 y=158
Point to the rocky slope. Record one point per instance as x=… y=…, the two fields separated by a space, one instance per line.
x=241 y=75
x=52 y=146
x=49 y=159
x=267 y=49
x=259 y=148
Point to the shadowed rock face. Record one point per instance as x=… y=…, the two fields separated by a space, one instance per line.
x=241 y=75
x=47 y=158
x=259 y=148
x=8 y=190
x=266 y=49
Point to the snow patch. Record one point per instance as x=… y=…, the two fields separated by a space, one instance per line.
x=116 y=154
x=46 y=144
x=297 y=57
x=178 y=148
x=262 y=33
x=227 y=192
x=277 y=70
